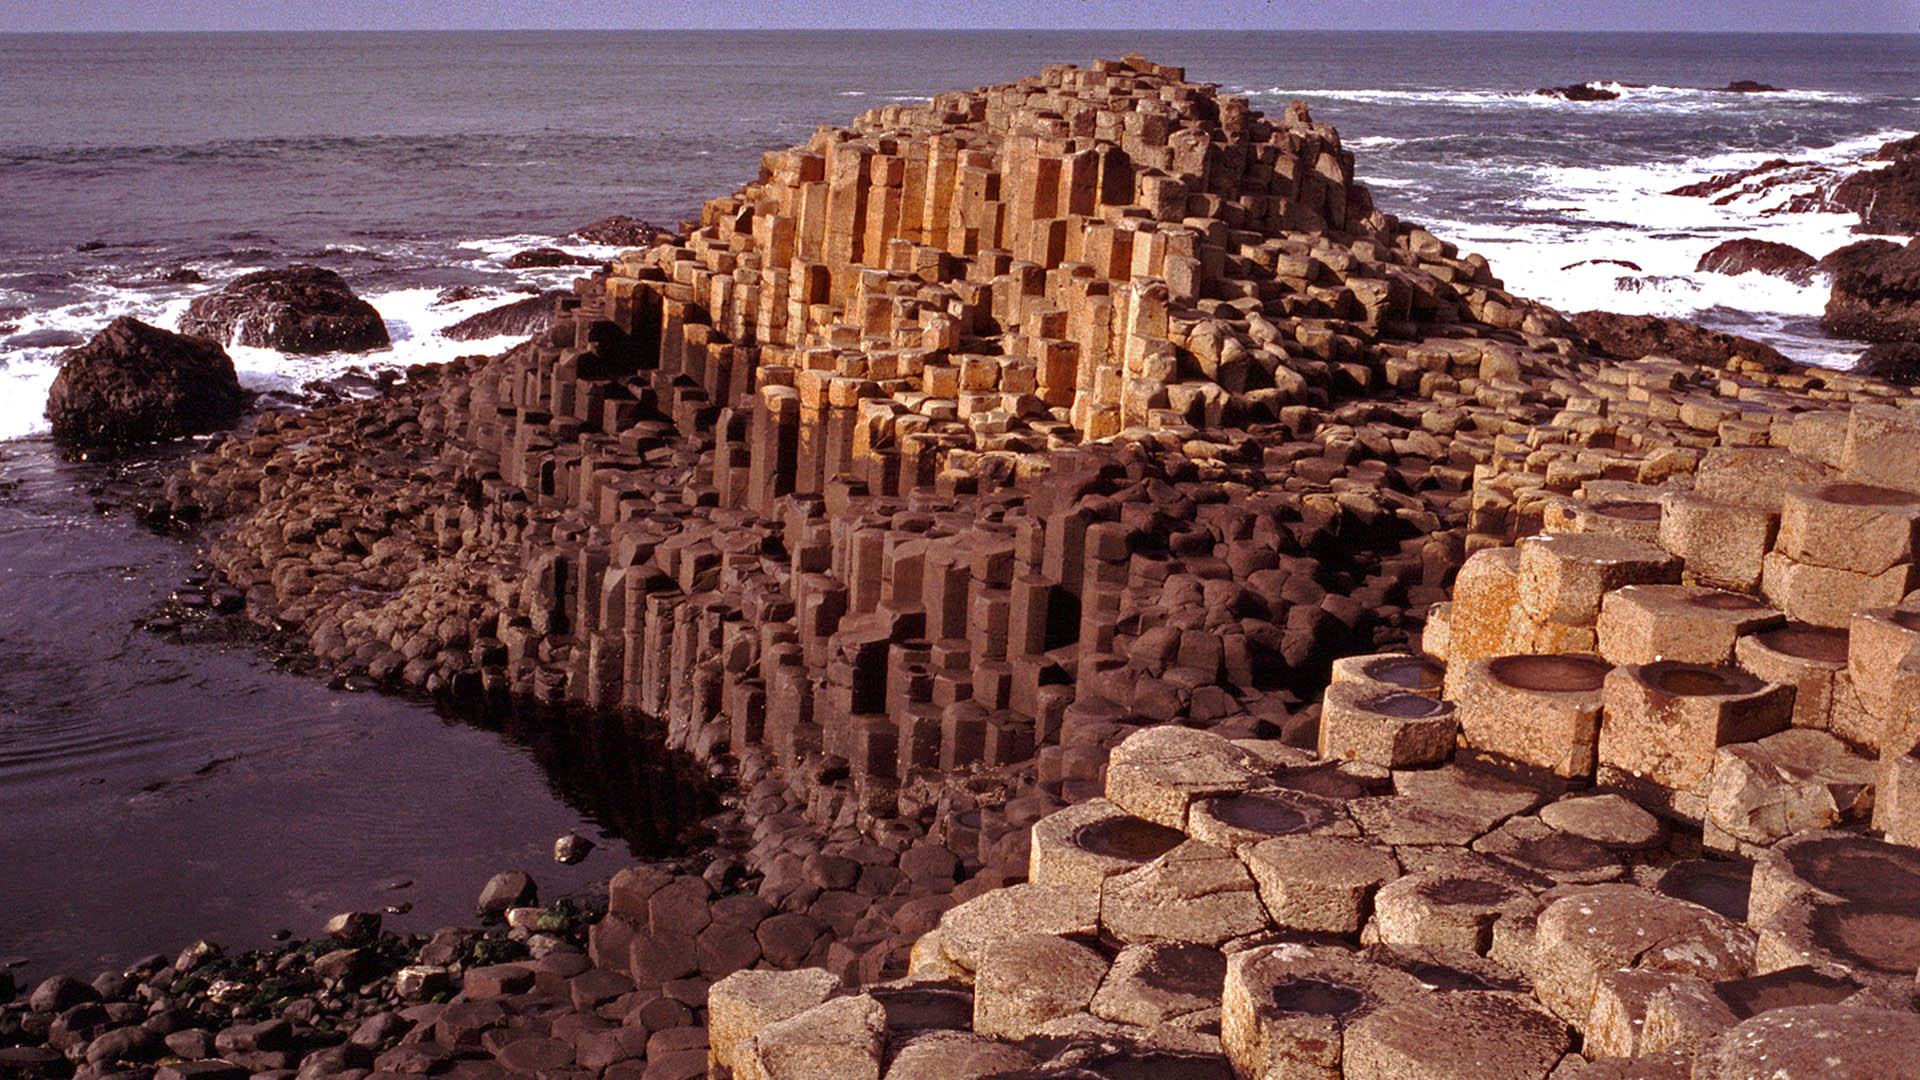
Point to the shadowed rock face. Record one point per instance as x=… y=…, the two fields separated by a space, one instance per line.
x=301 y=309
x=521 y=317
x=137 y=383
x=1876 y=292
x=1630 y=337
x=1887 y=200
x=1897 y=362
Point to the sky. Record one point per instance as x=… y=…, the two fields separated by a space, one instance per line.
x=1863 y=16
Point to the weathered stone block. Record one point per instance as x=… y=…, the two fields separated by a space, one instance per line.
x=1542 y=711
x=1720 y=543
x=1642 y=623
x=1665 y=720
x=1390 y=728
x=1857 y=527
x=1564 y=576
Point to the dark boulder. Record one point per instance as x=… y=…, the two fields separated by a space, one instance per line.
x=44 y=339
x=517 y=319
x=1745 y=254
x=1748 y=86
x=620 y=231
x=138 y=383
x=1876 y=291
x=302 y=309
x=1887 y=199
x=1585 y=91
x=536 y=258
x=1630 y=337
x=1896 y=362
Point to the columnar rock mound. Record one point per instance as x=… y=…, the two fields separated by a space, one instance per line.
x=136 y=383
x=301 y=309
x=996 y=480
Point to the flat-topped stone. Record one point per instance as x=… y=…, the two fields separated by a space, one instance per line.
x=1639 y=624
x=1194 y=893
x=1152 y=984
x=969 y=929
x=1237 y=821
x=1816 y=1041
x=1607 y=818
x=1602 y=928
x=1319 y=883
x=1789 y=782
x=1848 y=526
x=1028 y=979
x=1392 y=728
x=1563 y=576
x=1158 y=772
x=1720 y=544
x=1802 y=656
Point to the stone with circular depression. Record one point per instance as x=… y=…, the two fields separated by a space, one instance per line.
x=1551 y=674
x=1404 y=705
x=1698 y=680
x=1822 y=643
x=1413 y=672
x=1127 y=838
x=1865 y=495
x=1316 y=997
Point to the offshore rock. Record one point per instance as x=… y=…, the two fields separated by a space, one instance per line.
x=301 y=309
x=1887 y=199
x=1747 y=254
x=1585 y=91
x=138 y=383
x=620 y=231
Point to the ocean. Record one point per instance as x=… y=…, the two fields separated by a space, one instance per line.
x=415 y=163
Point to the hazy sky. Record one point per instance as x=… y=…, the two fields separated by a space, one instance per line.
x=1817 y=15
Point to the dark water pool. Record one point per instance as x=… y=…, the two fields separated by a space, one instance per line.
x=156 y=789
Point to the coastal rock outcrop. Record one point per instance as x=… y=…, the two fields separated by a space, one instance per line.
x=1748 y=254
x=1876 y=292
x=300 y=309
x=542 y=257
x=137 y=383
x=1887 y=198
x=1630 y=337
x=1897 y=362
x=620 y=231
x=517 y=318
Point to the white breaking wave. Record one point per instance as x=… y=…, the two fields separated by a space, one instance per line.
x=1639 y=98
x=1592 y=220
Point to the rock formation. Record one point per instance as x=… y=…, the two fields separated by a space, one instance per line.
x=513 y=319
x=1165 y=616
x=1888 y=198
x=1747 y=254
x=1876 y=292
x=301 y=309
x=135 y=383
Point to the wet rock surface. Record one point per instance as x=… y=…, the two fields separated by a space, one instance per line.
x=136 y=383
x=300 y=309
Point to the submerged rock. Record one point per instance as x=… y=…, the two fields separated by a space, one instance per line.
x=520 y=317
x=1748 y=86
x=301 y=309
x=1630 y=337
x=1747 y=254
x=1585 y=91
x=1876 y=292
x=138 y=383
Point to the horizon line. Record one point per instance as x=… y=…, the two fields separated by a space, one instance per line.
x=951 y=30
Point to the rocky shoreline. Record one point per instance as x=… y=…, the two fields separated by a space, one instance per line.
x=1154 y=613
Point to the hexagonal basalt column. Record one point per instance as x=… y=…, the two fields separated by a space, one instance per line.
x=1564 y=576
x=1238 y=821
x=1785 y=783
x=1883 y=660
x=1152 y=984
x=1541 y=711
x=1855 y=527
x=1443 y=908
x=1803 y=656
x=1721 y=544
x=1195 y=893
x=1392 y=671
x=1639 y=624
x=1391 y=728
x=1027 y=980
x=1286 y=1008
x=1665 y=720
x=1158 y=772
x=1088 y=842
x=1814 y=1041
x=1320 y=883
